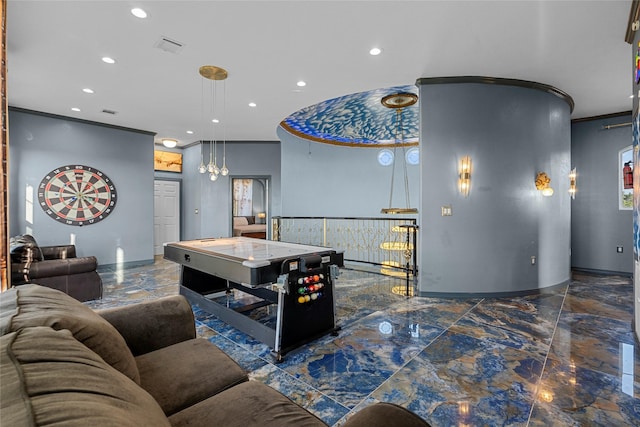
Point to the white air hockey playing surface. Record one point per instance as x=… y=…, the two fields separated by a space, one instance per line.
x=253 y=251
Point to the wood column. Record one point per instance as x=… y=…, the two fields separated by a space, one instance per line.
x=4 y=175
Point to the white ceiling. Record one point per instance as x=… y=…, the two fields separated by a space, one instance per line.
x=54 y=50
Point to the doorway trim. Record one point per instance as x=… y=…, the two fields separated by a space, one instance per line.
x=267 y=198
x=181 y=221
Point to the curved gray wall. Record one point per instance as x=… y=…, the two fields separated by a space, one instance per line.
x=331 y=180
x=511 y=133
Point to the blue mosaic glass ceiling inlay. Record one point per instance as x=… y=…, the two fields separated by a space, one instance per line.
x=357 y=119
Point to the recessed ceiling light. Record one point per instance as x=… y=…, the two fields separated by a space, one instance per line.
x=190 y=132
x=301 y=83
x=87 y=90
x=215 y=121
x=108 y=60
x=138 y=13
x=253 y=104
x=76 y=109
x=375 y=51
x=631 y=96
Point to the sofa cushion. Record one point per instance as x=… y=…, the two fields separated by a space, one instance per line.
x=247 y=404
x=24 y=249
x=186 y=373
x=48 y=378
x=33 y=305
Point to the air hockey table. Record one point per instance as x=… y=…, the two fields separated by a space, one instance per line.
x=281 y=294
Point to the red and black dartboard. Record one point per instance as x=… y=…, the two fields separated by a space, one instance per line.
x=77 y=195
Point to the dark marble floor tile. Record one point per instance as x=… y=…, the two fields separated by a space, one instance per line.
x=572 y=395
x=472 y=362
x=594 y=342
x=607 y=300
x=525 y=323
x=460 y=380
x=304 y=395
x=438 y=311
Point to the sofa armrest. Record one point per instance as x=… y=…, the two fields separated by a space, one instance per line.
x=58 y=252
x=385 y=415
x=152 y=325
x=62 y=267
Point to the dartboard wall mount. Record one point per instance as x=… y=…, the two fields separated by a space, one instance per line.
x=77 y=195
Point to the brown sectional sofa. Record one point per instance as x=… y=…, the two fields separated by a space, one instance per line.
x=139 y=365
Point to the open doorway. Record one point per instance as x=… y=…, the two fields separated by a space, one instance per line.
x=250 y=206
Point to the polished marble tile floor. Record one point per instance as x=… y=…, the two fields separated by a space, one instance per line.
x=563 y=358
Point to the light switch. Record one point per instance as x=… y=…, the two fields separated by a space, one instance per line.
x=447 y=211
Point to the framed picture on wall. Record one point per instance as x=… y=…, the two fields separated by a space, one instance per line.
x=167 y=161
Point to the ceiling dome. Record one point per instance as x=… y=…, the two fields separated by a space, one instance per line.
x=358 y=119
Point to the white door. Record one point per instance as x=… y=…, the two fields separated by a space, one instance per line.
x=166 y=214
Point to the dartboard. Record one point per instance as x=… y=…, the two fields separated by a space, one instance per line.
x=77 y=195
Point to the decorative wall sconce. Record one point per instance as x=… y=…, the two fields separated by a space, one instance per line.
x=464 y=180
x=543 y=184
x=573 y=175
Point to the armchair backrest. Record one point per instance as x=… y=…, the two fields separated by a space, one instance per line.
x=58 y=252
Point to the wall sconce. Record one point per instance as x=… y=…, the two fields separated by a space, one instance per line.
x=464 y=181
x=262 y=216
x=573 y=175
x=542 y=184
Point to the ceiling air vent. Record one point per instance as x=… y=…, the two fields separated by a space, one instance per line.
x=113 y=113
x=168 y=45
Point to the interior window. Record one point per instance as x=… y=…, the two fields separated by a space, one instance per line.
x=625 y=180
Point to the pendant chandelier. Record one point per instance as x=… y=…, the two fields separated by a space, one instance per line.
x=213 y=74
x=399 y=101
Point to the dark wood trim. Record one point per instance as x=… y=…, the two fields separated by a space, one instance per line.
x=499 y=81
x=5 y=275
x=634 y=15
x=602 y=116
x=75 y=119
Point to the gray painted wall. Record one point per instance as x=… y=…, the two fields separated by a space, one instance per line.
x=40 y=143
x=597 y=225
x=330 y=180
x=511 y=133
x=213 y=199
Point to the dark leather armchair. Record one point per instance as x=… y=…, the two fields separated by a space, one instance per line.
x=55 y=267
